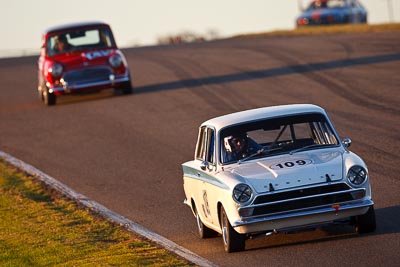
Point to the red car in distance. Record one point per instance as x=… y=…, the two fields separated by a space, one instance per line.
x=78 y=58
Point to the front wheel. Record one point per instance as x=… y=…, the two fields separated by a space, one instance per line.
x=126 y=87
x=366 y=223
x=49 y=98
x=233 y=241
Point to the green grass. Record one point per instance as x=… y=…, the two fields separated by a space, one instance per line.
x=40 y=228
x=329 y=29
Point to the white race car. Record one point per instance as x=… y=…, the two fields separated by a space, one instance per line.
x=272 y=169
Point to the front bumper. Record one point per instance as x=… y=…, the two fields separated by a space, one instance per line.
x=302 y=206
x=302 y=217
x=69 y=89
x=88 y=80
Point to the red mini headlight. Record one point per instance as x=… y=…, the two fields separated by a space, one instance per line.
x=56 y=70
x=115 y=61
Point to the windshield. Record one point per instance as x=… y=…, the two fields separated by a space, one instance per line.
x=80 y=39
x=326 y=4
x=275 y=136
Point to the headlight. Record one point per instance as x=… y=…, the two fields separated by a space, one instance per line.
x=357 y=175
x=242 y=193
x=56 y=70
x=115 y=61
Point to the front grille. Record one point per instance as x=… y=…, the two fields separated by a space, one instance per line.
x=305 y=198
x=323 y=21
x=87 y=75
x=318 y=190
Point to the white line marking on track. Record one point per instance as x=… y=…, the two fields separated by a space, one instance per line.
x=112 y=216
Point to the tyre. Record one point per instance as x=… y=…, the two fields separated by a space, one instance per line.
x=233 y=241
x=366 y=223
x=40 y=95
x=126 y=87
x=204 y=231
x=49 y=98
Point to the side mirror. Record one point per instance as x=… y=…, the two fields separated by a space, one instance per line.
x=204 y=165
x=346 y=142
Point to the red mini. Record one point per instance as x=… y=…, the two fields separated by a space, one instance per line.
x=78 y=58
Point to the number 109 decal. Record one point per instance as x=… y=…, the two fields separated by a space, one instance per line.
x=290 y=164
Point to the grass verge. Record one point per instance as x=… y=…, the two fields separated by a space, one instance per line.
x=41 y=228
x=329 y=29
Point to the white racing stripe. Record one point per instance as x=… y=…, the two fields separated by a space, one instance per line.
x=112 y=216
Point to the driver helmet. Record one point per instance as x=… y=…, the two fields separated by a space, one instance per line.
x=228 y=141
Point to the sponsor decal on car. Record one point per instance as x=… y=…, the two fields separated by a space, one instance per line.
x=290 y=164
x=95 y=54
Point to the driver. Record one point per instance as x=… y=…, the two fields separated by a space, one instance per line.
x=236 y=146
x=61 y=43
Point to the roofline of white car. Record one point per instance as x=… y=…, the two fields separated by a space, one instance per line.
x=261 y=113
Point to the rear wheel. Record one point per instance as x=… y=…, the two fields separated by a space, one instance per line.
x=204 y=231
x=233 y=241
x=40 y=95
x=366 y=223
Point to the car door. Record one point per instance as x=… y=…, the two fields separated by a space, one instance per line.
x=40 y=63
x=205 y=159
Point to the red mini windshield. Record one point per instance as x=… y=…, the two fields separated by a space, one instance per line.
x=79 y=39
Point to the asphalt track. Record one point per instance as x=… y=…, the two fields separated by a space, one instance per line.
x=125 y=151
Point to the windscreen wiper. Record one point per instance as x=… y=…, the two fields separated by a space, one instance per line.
x=310 y=146
x=265 y=149
x=258 y=152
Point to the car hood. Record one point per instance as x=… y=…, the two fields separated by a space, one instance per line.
x=288 y=171
x=79 y=59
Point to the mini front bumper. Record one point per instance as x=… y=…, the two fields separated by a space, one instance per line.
x=300 y=218
x=67 y=88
